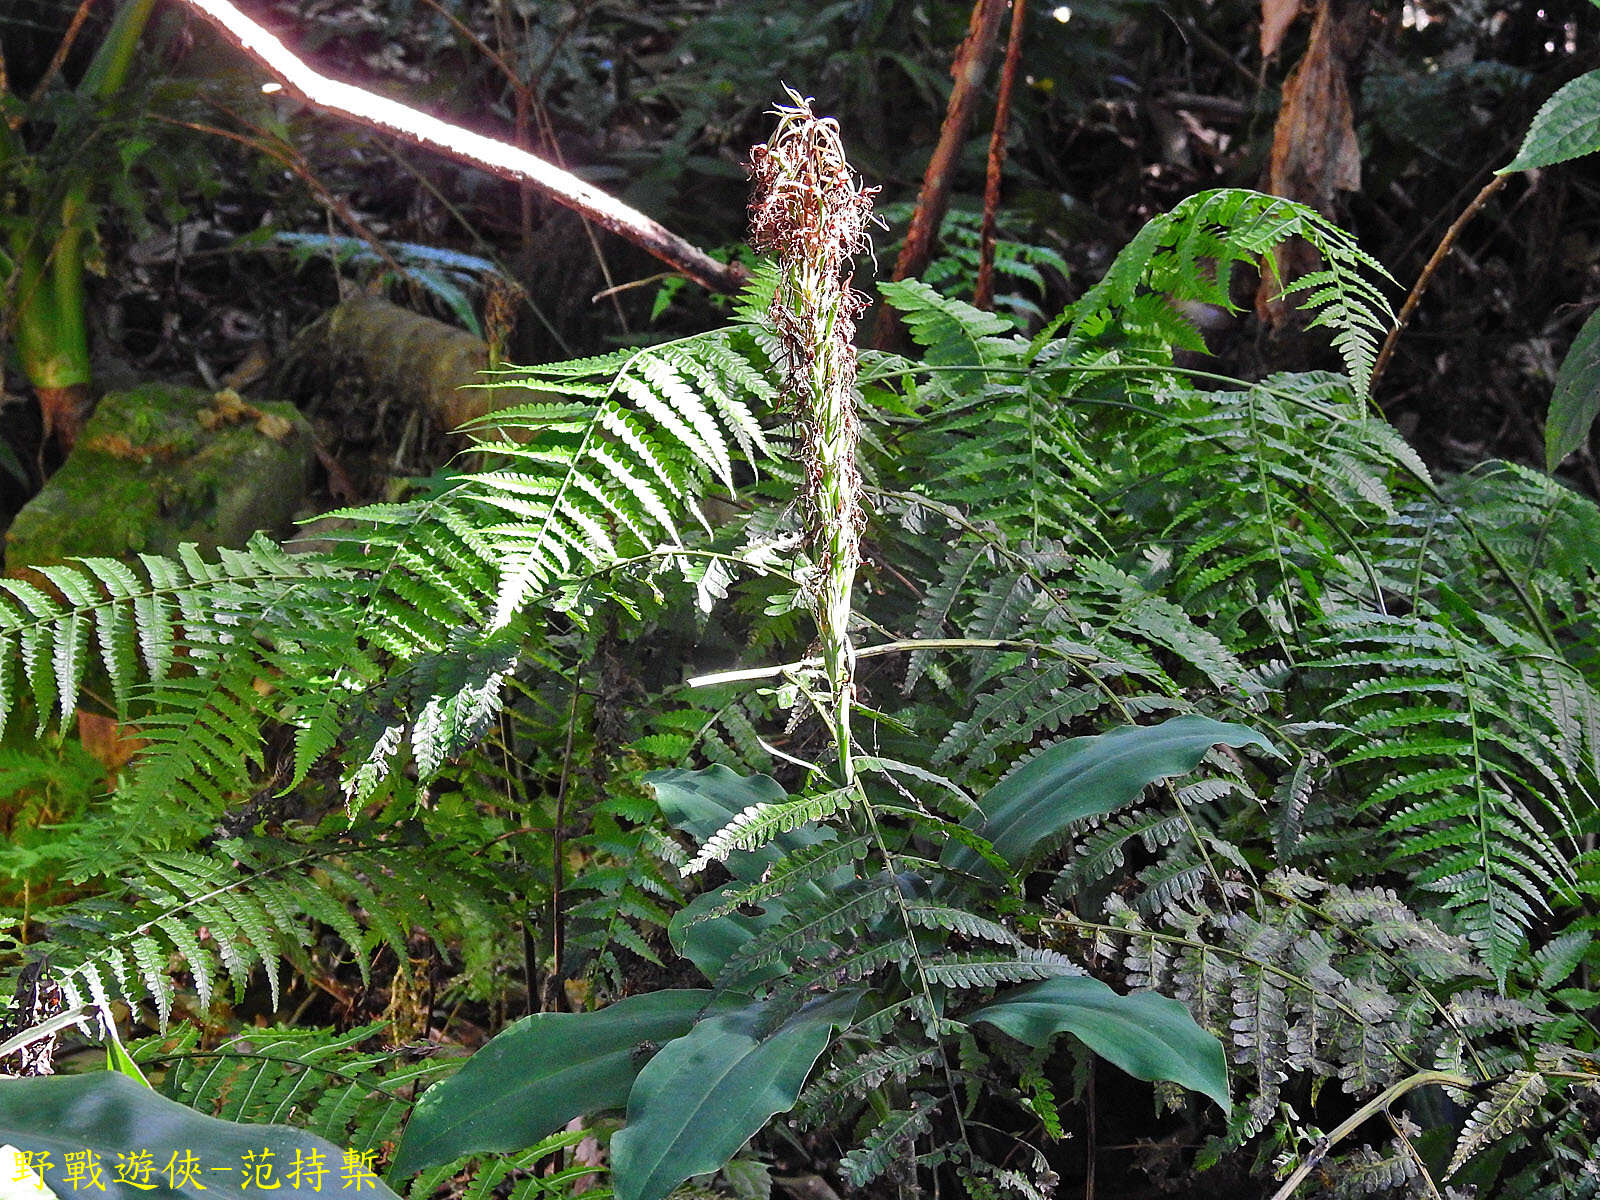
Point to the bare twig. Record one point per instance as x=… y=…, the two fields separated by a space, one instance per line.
x=63 y=48
x=983 y=293
x=481 y=46
x=496 y=157
x=971 y=63
x=1440 y=253
x=269 y=147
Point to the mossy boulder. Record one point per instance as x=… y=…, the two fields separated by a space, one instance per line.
x=159 y=466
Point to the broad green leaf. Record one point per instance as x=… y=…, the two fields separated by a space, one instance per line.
x=538 y=1074
x=1567 y=127
x=114 y=1118
x=704 y=1095
x=1088 y=777
x=1148 y=1035
x=117 y=1060
x=700 y=803
x=1576 y=399
x=709 y=943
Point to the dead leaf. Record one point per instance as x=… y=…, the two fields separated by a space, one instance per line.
x=1276 y=17
x=273 y=426
x=1315 y=154
x=230 y=405
x=116 y=445
x=109 y=743
x=229 y=408
x=587 y=1153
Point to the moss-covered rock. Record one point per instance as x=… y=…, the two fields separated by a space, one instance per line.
x=158 y=466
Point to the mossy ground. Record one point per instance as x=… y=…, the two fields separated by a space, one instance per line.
x=158 y=466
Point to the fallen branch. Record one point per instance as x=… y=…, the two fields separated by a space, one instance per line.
x=496 y=157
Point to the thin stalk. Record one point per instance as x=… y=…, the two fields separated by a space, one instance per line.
x=1435 y=260
x=558 y=851
x=983 y=292
x=109 y=68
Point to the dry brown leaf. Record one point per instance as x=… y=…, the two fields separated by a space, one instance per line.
x=106 y=741
x=1276 y=17
x=273 y=426
x=1315 y=153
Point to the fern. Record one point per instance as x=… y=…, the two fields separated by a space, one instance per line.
x=1068 y=532
x=393 y=642
x=1507 y=1107
x=878 y=1152
x=1190 y=252
x=253 y=903
x=1484 y=820
x=990 y=970
x=760 y=823
x=1291 y=985
x=341 y=1087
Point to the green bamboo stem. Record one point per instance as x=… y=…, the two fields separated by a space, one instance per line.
x=51 y=322
x=108 y=69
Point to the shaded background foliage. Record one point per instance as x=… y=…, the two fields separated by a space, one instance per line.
x=1126 y=109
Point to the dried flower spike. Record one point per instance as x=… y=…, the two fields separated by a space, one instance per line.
x=811 y=212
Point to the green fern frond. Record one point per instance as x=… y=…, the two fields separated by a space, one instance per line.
x=888 y=1141
x=810 y=921
x=760 y=823
x=1189 y=254
x=808 y=864
x=252 y=904
x=858 y=1075
x=333 y=1085
x=1018 y=965
x=1510 y=1104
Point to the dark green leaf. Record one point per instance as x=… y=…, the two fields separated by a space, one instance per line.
x=1148 y=1035
x=705 y=1094
x=110 y=1115
x=1576 y=399
x=709 y=943
x=702 y=802
x=538 y=1074
x=1088 y=777
x=1567 y=127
